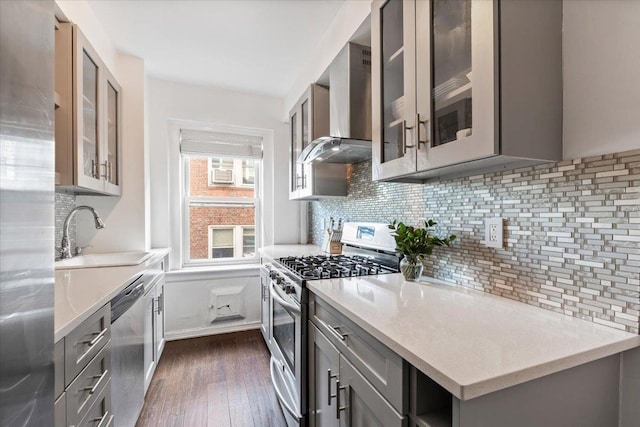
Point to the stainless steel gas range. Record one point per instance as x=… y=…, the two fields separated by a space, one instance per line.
x=368 y=249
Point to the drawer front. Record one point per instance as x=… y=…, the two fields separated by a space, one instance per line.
x=60 y=412
x=85 y=341
x=58 y=360
x=100 y=415
x=87 y=387
x=380 y=366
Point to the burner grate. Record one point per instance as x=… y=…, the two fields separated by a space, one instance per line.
x=334 y=266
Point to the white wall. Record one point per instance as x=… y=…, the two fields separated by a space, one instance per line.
x=349 y=17
x=601 y=60
x=124 y=217
x=190 y=301
x=178 y=101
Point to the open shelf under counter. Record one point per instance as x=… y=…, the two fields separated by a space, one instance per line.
x=441 y=418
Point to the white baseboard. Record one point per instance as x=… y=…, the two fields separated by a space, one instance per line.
x=212 y=330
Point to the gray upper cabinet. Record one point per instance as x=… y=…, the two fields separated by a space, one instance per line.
x=88 y=117
x=308 y=120
x=464 y=87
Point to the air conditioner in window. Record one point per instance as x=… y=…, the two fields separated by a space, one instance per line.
x=222 y=176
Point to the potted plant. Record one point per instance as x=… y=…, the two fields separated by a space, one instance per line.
x=415 y=243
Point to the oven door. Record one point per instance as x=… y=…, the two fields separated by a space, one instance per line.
x=286 y=360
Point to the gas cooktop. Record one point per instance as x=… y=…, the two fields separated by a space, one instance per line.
x=334 y=266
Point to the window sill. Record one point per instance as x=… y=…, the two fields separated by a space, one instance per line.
x=228 y=270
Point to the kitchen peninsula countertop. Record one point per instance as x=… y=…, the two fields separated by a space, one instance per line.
x=80 y=292
x=471 y=343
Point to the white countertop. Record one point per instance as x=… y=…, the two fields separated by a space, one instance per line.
x=469 y=342
x=279 y=251
x=80 y=292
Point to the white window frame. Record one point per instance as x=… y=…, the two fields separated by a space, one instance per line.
x=174 y=200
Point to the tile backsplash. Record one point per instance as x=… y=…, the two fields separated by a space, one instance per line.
x=572 y=231
x=64 y=204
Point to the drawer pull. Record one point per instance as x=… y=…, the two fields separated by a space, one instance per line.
x=336 y=333
x=91 y=343
x=102 y=419
x=329 y=395
x=94 y=388
x=98 y=337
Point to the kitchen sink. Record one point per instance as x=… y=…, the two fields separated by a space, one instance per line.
x=103 y=260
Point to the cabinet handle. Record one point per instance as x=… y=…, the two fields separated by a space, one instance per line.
x=94 y=169
x=425 y=123
x=102 y=419
x=94 y=387
x=98 y=337
x=108 y=170
x=158 y=304
x=329 y=395
x=405 y=128
x=336 y=333
x=104 y=165
x=338 y=407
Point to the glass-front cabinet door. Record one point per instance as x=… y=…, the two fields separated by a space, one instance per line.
x=88 y=117
x=393 y=76
x=454 y=81
x=110 y=161
x=87 y=103
x=308 y=120
x=295 y=168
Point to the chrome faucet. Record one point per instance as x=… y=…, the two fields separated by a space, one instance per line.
x=65 y=246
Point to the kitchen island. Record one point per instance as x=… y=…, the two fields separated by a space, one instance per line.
x=500 y=360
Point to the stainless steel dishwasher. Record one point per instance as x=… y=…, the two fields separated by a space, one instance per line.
x=127 y=352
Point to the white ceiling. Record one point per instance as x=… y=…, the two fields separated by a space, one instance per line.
x=255 y=46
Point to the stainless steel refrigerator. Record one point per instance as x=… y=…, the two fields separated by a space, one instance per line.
x=26 y=212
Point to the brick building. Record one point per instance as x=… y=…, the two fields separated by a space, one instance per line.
x=221 y=228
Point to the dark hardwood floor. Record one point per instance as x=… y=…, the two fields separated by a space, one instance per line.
x=221 y=380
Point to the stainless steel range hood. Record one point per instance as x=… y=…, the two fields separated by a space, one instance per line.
x=349 y=139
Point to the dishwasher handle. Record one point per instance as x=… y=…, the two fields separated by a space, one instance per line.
x=126 y=298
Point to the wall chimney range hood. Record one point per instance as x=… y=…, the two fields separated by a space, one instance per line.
x=349 y=139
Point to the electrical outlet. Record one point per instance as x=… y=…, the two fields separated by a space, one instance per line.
x=493 y=232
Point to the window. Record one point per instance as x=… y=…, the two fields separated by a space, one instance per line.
x=232 y=242
x=231 y=172
x=220 y=190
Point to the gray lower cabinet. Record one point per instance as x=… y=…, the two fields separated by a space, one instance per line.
x=360 y=404
x=60 y=411
x=339 y=394
x=153 y=327
x=324 y=368
x=83 y=373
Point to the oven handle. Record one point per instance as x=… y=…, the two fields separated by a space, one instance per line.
x=286 y=304
x=279 y=394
